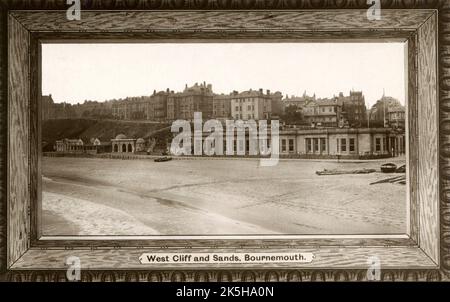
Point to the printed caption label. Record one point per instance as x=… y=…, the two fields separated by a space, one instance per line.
x=225 y=258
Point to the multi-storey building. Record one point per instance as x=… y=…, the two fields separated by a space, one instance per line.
x=198 y=98
x=156 y=107
x=396 y=117
x=353 y=108
x=298 y=102
x=93 y=109
x=251 y=105
x=51 y=110
x=323 y=112
x=47 y=106
x=132 y=108
x=173 y=106
x=379 y=113
x=222 y=106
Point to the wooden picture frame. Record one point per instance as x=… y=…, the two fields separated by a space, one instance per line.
x=421 y=254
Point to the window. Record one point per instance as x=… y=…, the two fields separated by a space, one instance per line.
x=283 y=145
x=378 y=144
x=352 y=145
x=249 y=107
x=337 y=146
x=323 y=145
x=343 y=144
x=308 y=145
x=291 y=145
x=237 y=108
x=316 y=145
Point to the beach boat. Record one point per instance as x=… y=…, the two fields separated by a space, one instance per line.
x=163 y=159
x=388 y=168
x=401 y=169
x=340 y=172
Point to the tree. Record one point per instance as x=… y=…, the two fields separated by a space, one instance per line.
x=292 y=115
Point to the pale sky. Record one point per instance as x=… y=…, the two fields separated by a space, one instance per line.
x=76 y=72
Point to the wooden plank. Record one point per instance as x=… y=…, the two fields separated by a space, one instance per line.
x=428 y=139
x=35 y=140
x=112 y=242
x=18 y=142
x=3 y=138
x=412 y=137
x=444 y=131
x=334 y=257
x=142 y=21
x=361 y=35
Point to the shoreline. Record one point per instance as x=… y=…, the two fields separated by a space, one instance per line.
x=120 y=156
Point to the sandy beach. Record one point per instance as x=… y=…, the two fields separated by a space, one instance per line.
x=92 y=196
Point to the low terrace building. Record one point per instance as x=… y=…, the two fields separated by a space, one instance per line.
x=343 y=143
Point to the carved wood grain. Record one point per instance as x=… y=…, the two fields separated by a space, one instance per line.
x=35 y=140
x=444 y=133
x=18 y=161
x=428 y=139
x=91 y=21
x=230 y=275
x=413 y=156
x=307 y=241
x=3 y=139
x=251 y=274
x=325 y=257
x=168 y=36
x=224 y=4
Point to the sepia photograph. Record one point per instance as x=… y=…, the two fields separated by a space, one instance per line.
x=108 y=116
x=224 y=141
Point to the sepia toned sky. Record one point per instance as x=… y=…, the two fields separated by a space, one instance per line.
x=77 y=72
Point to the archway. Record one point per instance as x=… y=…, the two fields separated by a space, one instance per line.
x=130 y=148
x=116 y=148
x=124 y=148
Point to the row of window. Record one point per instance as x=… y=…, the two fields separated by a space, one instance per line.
x=285 y=142
x=341 y=145
x=321 y=109
x=249 y=107
x=321 y=119
x=315 y=145
x=241 y=116
x=252 y=100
